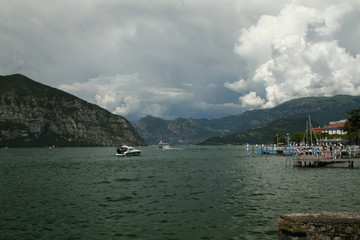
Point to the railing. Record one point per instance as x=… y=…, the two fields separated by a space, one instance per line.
x=294 y=155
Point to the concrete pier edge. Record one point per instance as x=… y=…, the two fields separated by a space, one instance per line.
x=319 y=226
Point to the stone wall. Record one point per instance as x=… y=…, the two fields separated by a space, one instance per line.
x=319 y=226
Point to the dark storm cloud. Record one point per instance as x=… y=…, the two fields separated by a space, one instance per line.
x=183 y=58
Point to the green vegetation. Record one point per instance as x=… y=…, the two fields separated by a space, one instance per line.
x=352 y=127
x=28 y=139
x=293 y=227
x=266 y=134
x=35 y=115
x=276 y=133
x=11 y=126
x=321 y=109
x=24 y=88
x=299 y=137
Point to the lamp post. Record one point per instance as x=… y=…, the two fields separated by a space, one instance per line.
x=288 y=139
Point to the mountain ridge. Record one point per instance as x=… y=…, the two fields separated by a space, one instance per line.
x=264 y=134
x=34 y=114
x=322 y=110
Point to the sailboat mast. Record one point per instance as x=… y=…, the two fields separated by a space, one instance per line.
x=310 y=131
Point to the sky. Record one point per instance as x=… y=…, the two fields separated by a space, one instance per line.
x=182 y=58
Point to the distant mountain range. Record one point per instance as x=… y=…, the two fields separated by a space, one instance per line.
x=34 y=115
x=191 y=131
x=262 y=135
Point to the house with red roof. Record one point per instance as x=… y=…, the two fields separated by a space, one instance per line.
x=332 y=129
x=335 y=128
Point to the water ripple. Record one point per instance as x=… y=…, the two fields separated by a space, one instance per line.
x=197 y=193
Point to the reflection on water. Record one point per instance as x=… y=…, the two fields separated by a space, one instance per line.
x=183 y=193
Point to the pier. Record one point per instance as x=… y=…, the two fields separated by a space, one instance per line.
x=319 y=225
x=318 y=157
x=322 y=162
x=263 y=149
x=309 y=156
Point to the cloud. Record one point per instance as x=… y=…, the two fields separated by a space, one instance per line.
x=184 y=58
x=295 y=54
x=131 y=96
x=251 y=100
x=128 y=95
x=169 y=93
x=108 y=92
x=179 y=51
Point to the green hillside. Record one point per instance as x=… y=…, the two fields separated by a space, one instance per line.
x=33 y=114
x=263 y=134
x=321 y=109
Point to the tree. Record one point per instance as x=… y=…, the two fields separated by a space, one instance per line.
x=297 y=137
x=352 y=126
x=279 y=140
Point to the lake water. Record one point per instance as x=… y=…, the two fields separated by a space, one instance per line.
x=191 y=192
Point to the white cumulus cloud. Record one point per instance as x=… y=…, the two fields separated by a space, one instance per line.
x=128 y=95
x=181 y=58
x=295 y=54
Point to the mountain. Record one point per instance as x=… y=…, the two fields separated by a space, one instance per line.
x=180 y=131
x=262 y=135
x=33 y=114
x=321 y=109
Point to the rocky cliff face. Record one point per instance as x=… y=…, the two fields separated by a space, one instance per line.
x=33 y=114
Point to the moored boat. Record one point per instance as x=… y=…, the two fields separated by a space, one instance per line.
x=127 y=151
x=163 y=145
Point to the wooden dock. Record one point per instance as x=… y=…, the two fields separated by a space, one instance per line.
x=318 y=162
x=315 y=158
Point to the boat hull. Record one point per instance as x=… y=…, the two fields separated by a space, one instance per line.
x=133 y=154
x=130 y=154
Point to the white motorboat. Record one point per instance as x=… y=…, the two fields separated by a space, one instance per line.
x=127 y=151
x=163 y=145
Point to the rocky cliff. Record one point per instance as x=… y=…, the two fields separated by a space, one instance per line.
x=33 y=114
